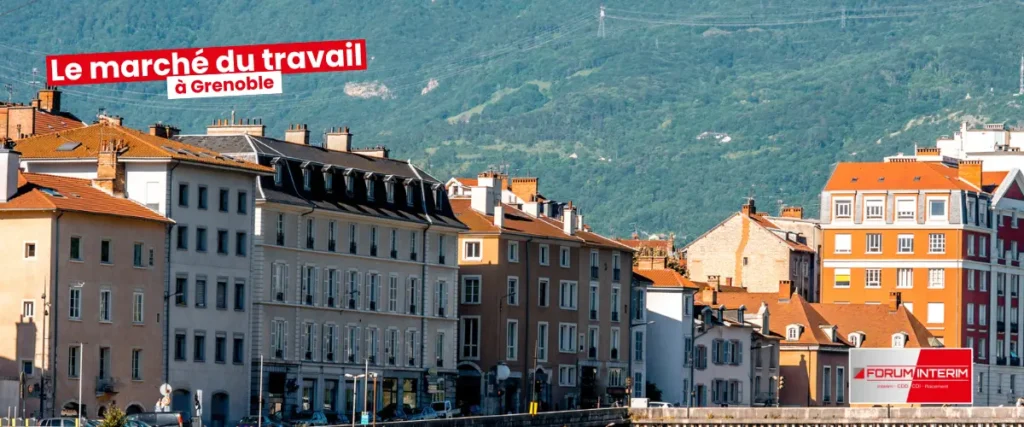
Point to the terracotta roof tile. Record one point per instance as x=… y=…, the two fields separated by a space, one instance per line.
x=896 y=176
x=666 y=278
x=139 y=146
x=468 y=182
x=48 y=192
x=877 y=323
x=794 y=311
x=588 y=236
x=638 y=243
x=516 y=221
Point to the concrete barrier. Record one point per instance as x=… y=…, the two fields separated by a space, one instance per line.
x=583 y=418
x=826 y=416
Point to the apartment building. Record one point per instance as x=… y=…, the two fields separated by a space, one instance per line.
x=41 y=116
x=996 y=144
x=669 y=305
x=80 y=300
x=944 y=233
x=354 y=265
x=210 y=198
x=749 y=250
x=553 y=296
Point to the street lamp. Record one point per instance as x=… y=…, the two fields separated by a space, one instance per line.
x=366 y=384
x=355 y=379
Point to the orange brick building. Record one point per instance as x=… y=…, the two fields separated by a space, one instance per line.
x=42 y=116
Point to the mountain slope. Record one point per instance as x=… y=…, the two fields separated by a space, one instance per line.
x=676 y=115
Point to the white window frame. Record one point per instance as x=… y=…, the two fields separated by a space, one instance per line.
x=473 y=344
x=512 y=289
x=467 y=249
x=945 y=209
x=970 y=314
x=936 y=278
x=982 y=315
x=913 y=213
x=569 y=330
x=75 y=303
x=544 y=254
x=512 y=340
x=513 y=251
x=564 y=257
x=106 y=309
x=904 y=273
x=936 y=243
x=573 y=295
x=567 y=372
x=543 y=337
x=899 y=340
x=901 y=240
x=468 y=297
x=938 y=318
x=843 y=243
x=868 y=240
x=842 y=209
x=544 y=283
x=970 y=244
x=842 y=272
x=793 y=332
x=138 y=307
x=872 y=278
x=872 y=204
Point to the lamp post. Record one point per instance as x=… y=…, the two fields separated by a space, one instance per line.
x=81 y=378
x=355 y=380
x=366 y=384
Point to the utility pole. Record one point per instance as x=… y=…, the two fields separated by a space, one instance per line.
x=842 y=21
x=600 y=23
x=1020 y=90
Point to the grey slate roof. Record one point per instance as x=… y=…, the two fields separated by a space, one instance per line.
x=296 y=158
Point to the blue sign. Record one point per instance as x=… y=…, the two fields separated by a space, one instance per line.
x=365 y=418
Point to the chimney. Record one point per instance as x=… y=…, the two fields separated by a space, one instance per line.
x=499 y=215
x=765 y=318
x=793 y=212
x=110 y=175
x=49 y=99
x=297 y=134
x=714 y=281
x=34 y=103
x=10 y=161
x=338 y=139
x=785 y=289
x=482 y=197
x=895 y=299
x=708 y=296
x=748 y=208
x=569 y=219
x=252 y=127
x=379 y=151
x=525 y=188
x=113 y=120
x=970 y=171
x=728 y=281
x=579 y=220
x=163 y=131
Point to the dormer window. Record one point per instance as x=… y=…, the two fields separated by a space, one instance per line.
x=793 y=332
x=370 y=188
x=409 y=193
x=328 y=179
x=856 y=339
x=350 y=182
x=389 y=187
x=899 y=340
x=307 y=177
x=438 y=196
x=278 y=171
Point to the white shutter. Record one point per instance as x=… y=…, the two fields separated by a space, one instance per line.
x=348 y=347
x=739 y=391
x=326 y=285
x=325 y=343
x=334 y=342
x=273 y=336
x=302 y=343
x=284 y=342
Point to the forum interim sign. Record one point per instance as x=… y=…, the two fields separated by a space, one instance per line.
x=926 y=376
x=209 y=71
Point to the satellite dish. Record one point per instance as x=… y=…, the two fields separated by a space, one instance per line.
x=502 y=372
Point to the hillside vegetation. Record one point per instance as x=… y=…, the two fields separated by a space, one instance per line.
x=667 y=122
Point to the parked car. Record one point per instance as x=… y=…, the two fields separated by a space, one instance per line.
x=61 y=422
x=132 y=423
x=394 y=412
x=309 y=418
x=446 y=409
x=659 y=405
x=424 y=413
x=161 y=419
x=254 y=421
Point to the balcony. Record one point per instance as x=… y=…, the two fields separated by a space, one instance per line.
x=763 y=398
x=280 y=239
x=309 y=355
x=373 y=250
x=440 y=362
x=593 y=272
x=615 y=354
x=310 y=243
x=279 y=296
x=412 y=309
x=351 y=358
x=332 y=245
x=309 y=299
x=1001 y=361
x=1014 y=361
x=352 y=248
x=330 y=301
x=440 y=312
x=412 y=361
x=279 y=354
x=352 y=304
x=391 y=360
x=373 y=305
x=593 y=314
x=330 y=357
x=106 y=385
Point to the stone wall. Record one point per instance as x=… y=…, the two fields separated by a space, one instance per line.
x=826 y=416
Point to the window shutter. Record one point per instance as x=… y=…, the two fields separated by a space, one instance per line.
x=304 y=335
x=284 y=280
x=284 y=342
x=327 y=285
x=367 y=352
x=714 y=390
x=738 y=354
x=326 y=343
x=714 y=352
x=334 y=342
x=273 y=335
x=739 y=391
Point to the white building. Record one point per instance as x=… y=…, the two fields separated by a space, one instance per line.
x=996 y=143
x=210 y=198
x=669 y=306
x=723 y=372
x=355 y=262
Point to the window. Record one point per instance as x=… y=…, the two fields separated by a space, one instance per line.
x=567 y=295
x=982 y=315
x=970 y=244
x=563 y=258
x=201 y=292
x=328 y=180
x=616 y=300
x=594 y=303
x=936 y=209
x=513 y=291
x=181 y=291
x=394 y=244
x=389 y=188
x=616 y=272
x=543 y=256
x=874 y=243
x=793 y=332
x=826 y=384
x=238 y=350
x=243 y=203
x=201 y=239
x=982 y=348
x=73 y=360
x=594 y=264
x=513 y=251
x=350 y=183
x=412 y=245
x=442 y=298
x=592 y=341
x=370 y=189
x=223 y=199
x=182 y=237
x=307 y=179
x=278 y=173
x=898 y=340
x=638 y=346
x=904 y=278
x=241 y=245
x=222 y=242
x=280 y=229
x=76 y=249
x=615 y=378
x=439 y=351
x=937 y=243
x=309 y=341
x=352 y=343
x=202 y=197
x=310 y=234
x=614 y=343
x=183 y=195
x=220 y=348
x=199 y=347
x=105 y=252
x=105 y=308
x=842 y=243
x=542 y=341
x=373 y=240
x=905 y=243
x=471 y=250
x=856 y=339
x=278 y=281
x=470 y=333
x=970 y=313
x=409 y=192
x=239 y=295
x=512 y=340
x=222 y=294
x=840 y=384
x=542 y=293
x=701 y=354
x=874 y=208
x=842 y=277
x=936 y=312
x=984 y=281
x=180 y=346
x=75 y=304
x=842 y=209
x=566 y=376
x=936 y=278
x=471 y=290
x=278 y=337
x=872 y=278
x=393 y=294
x=137 y=255
x=137 y=307
x=905 y=209
x=982 y=246
x=28 y=309
x=567 y=338
x=412 y=295
x=353 y=237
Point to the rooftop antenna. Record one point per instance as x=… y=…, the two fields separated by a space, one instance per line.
x=781 y=205
x=35 y=77
x=600 y=23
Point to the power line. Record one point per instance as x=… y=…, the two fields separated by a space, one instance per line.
x=10 y=11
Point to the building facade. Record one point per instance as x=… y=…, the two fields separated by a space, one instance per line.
x=81 y=297
x=354 y=269
x=41 y=116
x=551 y=293
x=210 y=198
x=748 y=250
x=669 y=306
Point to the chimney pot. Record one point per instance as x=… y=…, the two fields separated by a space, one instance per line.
x=895 y=300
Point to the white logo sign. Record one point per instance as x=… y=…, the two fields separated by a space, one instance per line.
x=220 y=85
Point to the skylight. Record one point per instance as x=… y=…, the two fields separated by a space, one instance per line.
x=52 y=192
x=69 y=146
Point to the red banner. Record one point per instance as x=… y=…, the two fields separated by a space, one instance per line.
x=149 y=65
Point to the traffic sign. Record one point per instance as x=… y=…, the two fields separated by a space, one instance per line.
x=365 y=419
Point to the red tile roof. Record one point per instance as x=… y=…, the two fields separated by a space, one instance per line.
x=468 y=182
x=515 y=221
x=139 y=145
x=761 y=218
x=49 y=123
x=638 y=243
x=667 y=278
x=588 y=236
x=39 y=192
x=896 y=176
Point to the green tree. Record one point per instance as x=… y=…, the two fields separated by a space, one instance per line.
x=653 y=392
x=114 y=417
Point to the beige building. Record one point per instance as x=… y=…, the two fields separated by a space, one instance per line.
x=752 y=251
x=552 y=296
x=42 y=116
x=80 y=300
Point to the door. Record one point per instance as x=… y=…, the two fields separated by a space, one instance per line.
x=219 y=415
x=181 y=401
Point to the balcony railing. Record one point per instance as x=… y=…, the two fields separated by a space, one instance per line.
x=440 y=259
x=616 y=274
x=1014 y=361
x=440 y=311
x=1013 y=328
x=330 y=357
x=352 y=304
x=593 y=314
x=763 y=398
x=106 y=384
x=330 y=301
x=1000 y=361
x=1001 y=326
x=615 y=354
x=615 y=316
x=412 y=256
x=394 y=254
x=412 y=309
x=440 y=362
x=593 y=272
x=592 y=353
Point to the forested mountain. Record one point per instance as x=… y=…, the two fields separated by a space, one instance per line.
x=667 y=121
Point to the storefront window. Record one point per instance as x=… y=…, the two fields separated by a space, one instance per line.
x=330 y=395
x=389 y=391
x=409 y=392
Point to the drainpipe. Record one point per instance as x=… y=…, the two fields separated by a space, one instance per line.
x=526 y=355
x=423 y=284
x=54 y=316
x=167 y=276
